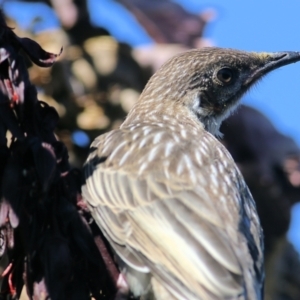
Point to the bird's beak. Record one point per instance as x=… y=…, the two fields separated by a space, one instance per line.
x=272 y=61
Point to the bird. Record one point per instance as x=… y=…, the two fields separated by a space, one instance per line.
x=165 y=192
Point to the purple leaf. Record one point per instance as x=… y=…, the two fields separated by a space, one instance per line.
x=45 y=163
x=4 y=54
x=9 y=119
x=36 y=53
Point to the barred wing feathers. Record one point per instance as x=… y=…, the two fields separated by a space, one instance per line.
x=176 y=206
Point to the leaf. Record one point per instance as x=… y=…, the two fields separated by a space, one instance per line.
x=45 y=163
x=36 y=53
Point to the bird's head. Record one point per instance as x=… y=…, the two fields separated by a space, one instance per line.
x=210 y=81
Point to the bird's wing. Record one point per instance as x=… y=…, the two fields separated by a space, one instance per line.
x=176 y=206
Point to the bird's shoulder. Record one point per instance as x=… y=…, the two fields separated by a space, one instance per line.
x=142 y=148
x=164 y=161
x=159 y=161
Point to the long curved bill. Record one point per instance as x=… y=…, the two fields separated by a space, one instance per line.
x=272 y=61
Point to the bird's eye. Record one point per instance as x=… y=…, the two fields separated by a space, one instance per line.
x=225 y=75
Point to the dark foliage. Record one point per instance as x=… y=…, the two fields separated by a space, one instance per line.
x=43 y=231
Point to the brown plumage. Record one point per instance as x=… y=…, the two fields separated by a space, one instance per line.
x=168 y=196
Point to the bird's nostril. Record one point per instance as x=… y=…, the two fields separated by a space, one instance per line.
x=280 y=56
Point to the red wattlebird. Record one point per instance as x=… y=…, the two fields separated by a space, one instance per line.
x=165 y=192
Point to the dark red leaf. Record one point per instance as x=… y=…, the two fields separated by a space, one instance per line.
x=36 y=53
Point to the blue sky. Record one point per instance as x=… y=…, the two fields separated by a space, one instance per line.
x=265 y=25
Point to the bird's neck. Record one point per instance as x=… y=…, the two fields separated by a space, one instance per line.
x=171 y=114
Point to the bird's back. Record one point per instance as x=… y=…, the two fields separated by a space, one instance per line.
x=171 y=202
